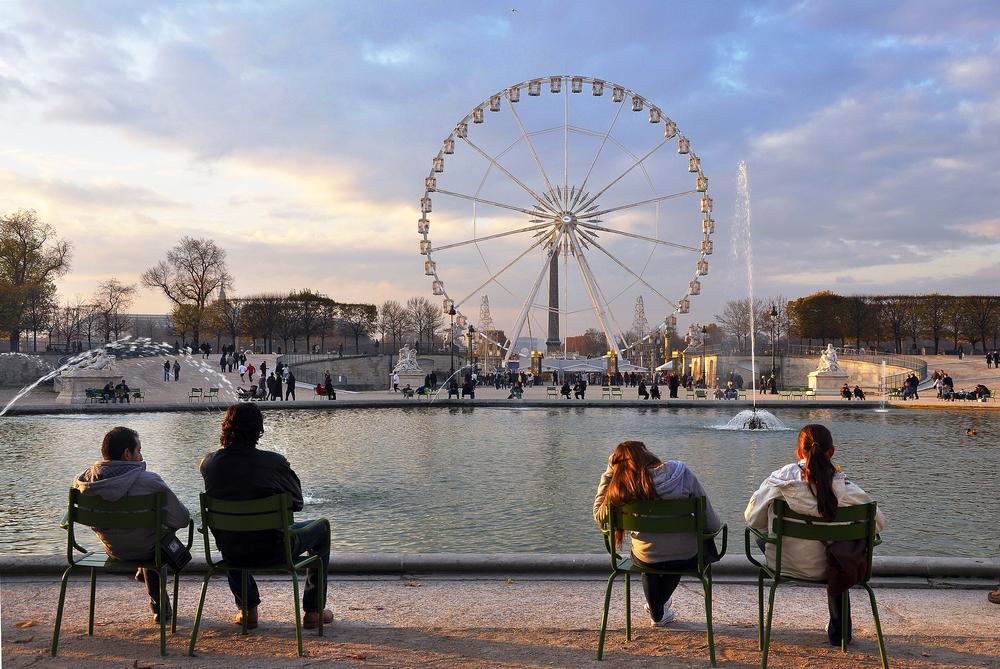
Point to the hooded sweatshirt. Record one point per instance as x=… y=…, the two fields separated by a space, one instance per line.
x=114 y=479
x=800 y=558
x=671 y=480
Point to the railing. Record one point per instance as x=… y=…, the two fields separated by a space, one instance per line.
x=862 y=354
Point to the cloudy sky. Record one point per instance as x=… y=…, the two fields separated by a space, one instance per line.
x=298 y=134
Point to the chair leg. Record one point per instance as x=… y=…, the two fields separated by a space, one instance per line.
x=93 y=592
x=197 y=615
x=760 y=610
x=878 y=628
x=707 y=583
x=59 y=611
x=604 y=618
x=298 y=612
x=628 y=607
x=163 y=610
x=173 y=620
x=321 y=582
x=243 y=600
x=845 y=619
x=767 y=625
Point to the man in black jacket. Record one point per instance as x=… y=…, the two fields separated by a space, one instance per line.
x=240 y=471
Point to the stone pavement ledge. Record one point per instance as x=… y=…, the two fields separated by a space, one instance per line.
x=417 y=611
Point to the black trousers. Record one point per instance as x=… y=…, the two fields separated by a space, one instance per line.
x=659 y=587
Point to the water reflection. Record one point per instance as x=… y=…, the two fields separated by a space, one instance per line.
x=496 y=480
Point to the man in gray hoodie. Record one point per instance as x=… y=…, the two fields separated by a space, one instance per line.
x=122 y=473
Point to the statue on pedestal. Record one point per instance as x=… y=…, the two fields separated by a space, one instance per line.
x=828 y=360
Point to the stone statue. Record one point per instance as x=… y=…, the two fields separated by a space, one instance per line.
x=828 y=360
x=407 y=361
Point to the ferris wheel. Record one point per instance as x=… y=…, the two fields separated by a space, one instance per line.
x=545 y=179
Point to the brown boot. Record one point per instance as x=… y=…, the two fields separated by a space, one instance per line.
x=251 y=618
x=311 y=620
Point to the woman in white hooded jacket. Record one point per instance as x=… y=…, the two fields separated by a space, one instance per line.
x=814 y=486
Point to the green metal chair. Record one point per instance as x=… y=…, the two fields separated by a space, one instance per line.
x=851 y=523
x=268 y=513
x=674 y=516
x=137 y=512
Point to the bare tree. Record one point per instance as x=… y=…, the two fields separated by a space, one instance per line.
x=310 y=307
x=358 y=320
x=735 y=319
x=69 y=323
x=260 y=316
x=39 y=311
x=423 y=317
x=193 y=270
x=226 y=316
x=113 y=298
x=31 y=257
x=392 y=324
x=981 y=315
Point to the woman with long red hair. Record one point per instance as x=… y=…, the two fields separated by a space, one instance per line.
x=812 y=485
x=635 y=474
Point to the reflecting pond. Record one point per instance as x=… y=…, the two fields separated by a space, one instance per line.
x=474 y=480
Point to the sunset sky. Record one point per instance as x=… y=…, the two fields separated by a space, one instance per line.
x=298 y=134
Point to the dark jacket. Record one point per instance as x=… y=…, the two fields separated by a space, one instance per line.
x=249 y=473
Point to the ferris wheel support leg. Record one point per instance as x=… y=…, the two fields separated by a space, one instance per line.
x=529 y=300
x=590 y=284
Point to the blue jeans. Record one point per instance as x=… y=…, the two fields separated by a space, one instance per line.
x=315 y=542
x=659 y=587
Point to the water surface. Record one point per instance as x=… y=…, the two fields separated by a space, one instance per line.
x=522 y=480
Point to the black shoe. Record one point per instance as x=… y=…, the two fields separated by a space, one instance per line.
x=139 y=575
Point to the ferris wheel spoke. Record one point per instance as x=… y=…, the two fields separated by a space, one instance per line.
x=601 y=228
x=632 y=205
x=531 y=147
x=474 y=240
x=565 y=192
x=492 y=203
x=529 y=300
x=493 y=161
x=590 y=285
x=600 y=149
x=621 y=176
x=495 y=275
x=593 y=242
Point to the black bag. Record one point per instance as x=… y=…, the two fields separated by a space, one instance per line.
x=173 y=552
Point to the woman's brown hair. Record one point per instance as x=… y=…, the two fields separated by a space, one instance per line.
x=631 y=479
x=242 y=427
x=816 y=448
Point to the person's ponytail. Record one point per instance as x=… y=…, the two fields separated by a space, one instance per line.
x=815 y=446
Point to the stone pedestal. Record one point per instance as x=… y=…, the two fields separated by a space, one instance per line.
x=827 y=383
x=73 y=384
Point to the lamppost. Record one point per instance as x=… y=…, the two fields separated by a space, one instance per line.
x=704 y=342
x=451 y=335
x=774 y=324
x=469 y=342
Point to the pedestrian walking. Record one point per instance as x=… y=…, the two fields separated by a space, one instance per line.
x=222 y=363
x=395 y=382
x=290 y=385
x=243 y=371
x=177 y=371
x=250 y=370
x=166 y=370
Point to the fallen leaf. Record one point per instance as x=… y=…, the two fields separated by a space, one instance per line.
x=926 y=654
x=357 y=656
x=26 y=623
x=510 y=581
x=136 y=665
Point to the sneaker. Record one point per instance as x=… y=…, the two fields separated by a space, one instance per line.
x=995 y=596
x=156 y=616
x=311 y=620
x=669 y=615
x=251 y=618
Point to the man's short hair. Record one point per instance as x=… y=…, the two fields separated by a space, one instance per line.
x=117 y=441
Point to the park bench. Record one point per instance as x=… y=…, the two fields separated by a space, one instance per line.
x=616 y=392
x=550 y=391
x=137 y=395
x=701 y=394
x=809 y=392
x=195 y=394
x=605 y=392
x=213 y=395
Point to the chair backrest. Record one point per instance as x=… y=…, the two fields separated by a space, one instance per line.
x=850 y=524
x=660 y=516
x=250 y=515
x=126 y=513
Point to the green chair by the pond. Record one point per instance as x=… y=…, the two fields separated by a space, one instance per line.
x=673 y=516
x=851 y=523
x=256 y=515
x=137 y=512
